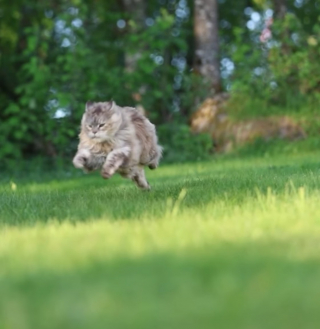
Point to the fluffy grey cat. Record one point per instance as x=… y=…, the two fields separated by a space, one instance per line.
x=117 y=139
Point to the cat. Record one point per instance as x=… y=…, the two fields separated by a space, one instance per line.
x=117 y=140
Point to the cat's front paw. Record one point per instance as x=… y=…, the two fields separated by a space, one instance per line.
x=80 y=161
x=106 y=173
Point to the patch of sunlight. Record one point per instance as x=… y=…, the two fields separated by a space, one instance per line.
x=286 y=225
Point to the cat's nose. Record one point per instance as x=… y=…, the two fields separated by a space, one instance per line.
x=94 y=131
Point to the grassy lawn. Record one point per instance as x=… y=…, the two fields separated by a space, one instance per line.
x=232 y=243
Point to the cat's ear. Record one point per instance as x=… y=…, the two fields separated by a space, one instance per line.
x=89 y=104
x=109 y=105
x=116 y=115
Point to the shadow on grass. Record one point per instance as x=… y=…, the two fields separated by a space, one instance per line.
x=232 y=287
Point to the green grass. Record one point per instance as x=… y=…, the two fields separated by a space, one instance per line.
x=232 y=243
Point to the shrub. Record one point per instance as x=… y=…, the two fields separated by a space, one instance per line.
x=181 y=145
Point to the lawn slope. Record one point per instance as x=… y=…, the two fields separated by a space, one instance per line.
x=224 y=244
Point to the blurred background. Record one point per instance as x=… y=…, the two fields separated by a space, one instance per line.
x=215 y=76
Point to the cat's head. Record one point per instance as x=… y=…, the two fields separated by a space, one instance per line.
x=101 y=120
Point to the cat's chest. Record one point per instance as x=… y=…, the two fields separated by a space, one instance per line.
x=102 y=148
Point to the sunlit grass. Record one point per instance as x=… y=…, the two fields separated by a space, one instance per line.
x=226 y=244
x=279 y=220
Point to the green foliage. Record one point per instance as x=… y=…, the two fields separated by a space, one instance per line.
x=157 y=67
x=244 y=105
x=181 y=145
x=280 y=76
x=273 y=147
x=54 y=56
x=294 y=61
x=68 y=56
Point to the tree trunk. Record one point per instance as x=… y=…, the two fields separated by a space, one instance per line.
x=137 y=12
x=280 y=8
x=206 y=59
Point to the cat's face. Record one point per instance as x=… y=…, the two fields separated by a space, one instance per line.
x=101 y=120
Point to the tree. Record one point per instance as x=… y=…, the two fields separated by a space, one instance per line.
x=206 y=57
x=280 y=8
x=136 y=10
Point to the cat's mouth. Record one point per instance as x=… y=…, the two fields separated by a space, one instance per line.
x=95 y=137
x=98 y=138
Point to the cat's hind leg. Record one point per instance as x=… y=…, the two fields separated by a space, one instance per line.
x=137 y=175
x=155 y=154
x=139 y=178
x=115 y=159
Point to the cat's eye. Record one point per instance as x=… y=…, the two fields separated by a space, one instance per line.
x=101 y=125
x=89 y=126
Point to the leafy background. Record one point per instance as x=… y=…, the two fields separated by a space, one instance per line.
x=55 y=55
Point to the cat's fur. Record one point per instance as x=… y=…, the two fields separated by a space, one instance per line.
x=117 y=139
